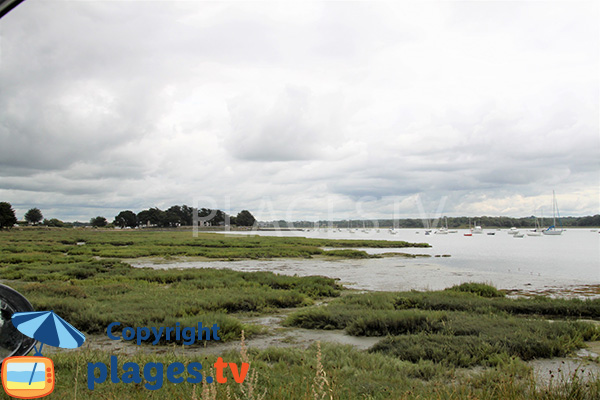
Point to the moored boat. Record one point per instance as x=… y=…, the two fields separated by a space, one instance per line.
x=470 y=233
x=443 y=230
x=552 y=230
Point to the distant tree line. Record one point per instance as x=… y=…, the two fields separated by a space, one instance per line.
x=181 y=216
x=184 y=216
x=453 y=222
x=172 y=217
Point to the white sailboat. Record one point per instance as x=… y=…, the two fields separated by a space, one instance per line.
x=470 y=233
x=393 y=228
x=427 y=224
x=350 y=230
x=552 y=230
x=364 y=229
x=443 y=230
x=538 y=229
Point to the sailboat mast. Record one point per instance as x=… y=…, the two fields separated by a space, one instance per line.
x=554 y=209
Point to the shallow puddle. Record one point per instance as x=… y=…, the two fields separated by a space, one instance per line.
x=563 y=369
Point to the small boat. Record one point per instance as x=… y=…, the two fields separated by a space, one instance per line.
x=537 y=231
x=443 y=230
x=350 y=229
x=552 y=231
x=427 y=226
x=477 y=229
x=512 y=231
x=470 y=233
x=491 y=233
x=518 y=235
x=364 y=230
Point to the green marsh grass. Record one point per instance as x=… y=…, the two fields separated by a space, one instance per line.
x=80 y=274
x=465 y=326
x=297 y=374
x=91 y=286
x=429 y=340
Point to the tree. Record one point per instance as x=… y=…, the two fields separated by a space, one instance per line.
x=212 y=217
x=7 y=216
x=98 y=222
x=144 y=217
x=170 y=218
x=53 y=222
x=33 y=216
x=185 y=215
x=152 y=216
x=126 y=218
x=245 y=218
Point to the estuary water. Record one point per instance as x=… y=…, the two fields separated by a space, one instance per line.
x=548 y=264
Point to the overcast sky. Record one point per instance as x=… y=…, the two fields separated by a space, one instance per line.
x=298 y=110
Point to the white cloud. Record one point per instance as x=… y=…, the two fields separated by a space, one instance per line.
x=114 y=105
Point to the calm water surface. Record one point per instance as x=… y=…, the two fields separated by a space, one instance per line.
x=574 y=254
x=534 y=263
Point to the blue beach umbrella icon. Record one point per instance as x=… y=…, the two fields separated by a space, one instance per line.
x=48 y=328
